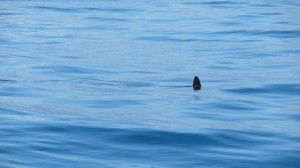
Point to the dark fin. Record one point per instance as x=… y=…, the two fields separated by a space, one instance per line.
x=196 y=83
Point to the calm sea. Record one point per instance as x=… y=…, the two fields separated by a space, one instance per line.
x=107 y=84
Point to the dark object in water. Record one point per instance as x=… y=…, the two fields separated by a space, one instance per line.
x=196 y=83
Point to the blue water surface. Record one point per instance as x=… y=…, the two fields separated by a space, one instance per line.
x=106 y=84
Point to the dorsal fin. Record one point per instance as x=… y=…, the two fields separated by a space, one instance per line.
x=196 y=83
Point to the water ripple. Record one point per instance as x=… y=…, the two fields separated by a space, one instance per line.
x=55 y=9
x=5 y=111
x=15 y=92
x=102 y=19
x=165 y=39
x=271 y=33
x=111 y=9
x=113 y=103
x=282 y=89
x=61 y=69
x=80 y=10
x=217 y=3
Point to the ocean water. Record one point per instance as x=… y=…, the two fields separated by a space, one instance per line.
x=107 y=84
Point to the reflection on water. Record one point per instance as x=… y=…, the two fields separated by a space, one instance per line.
x=109 y=84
